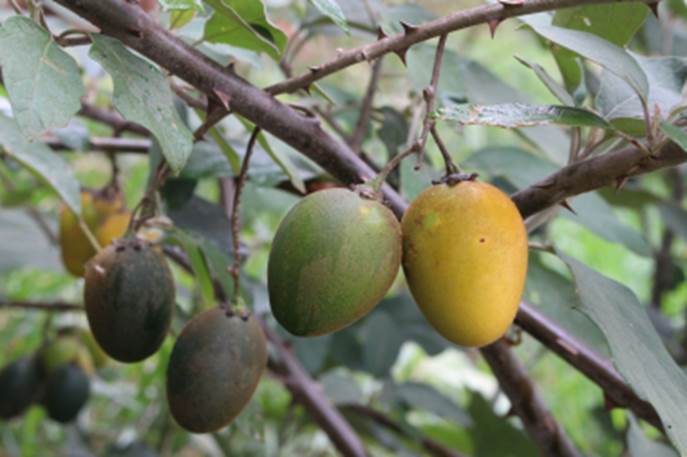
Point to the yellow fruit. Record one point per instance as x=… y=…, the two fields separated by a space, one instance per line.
x=465 y=260
x=75 y=247
x=113 y=228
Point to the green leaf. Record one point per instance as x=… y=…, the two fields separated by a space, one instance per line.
x=556 y=89
x=332 y=10
x=243 y=23
x=667 y=76
x=42 y=161
x=383 y=342
x=206 y=161
x=425 y=397
x=341 y=388
x=142 y=95
x=280 y=159
x=24 y=244
x=181 y=5
x=43 y=81
x=516 y=115
x=604 y=53
x=640 y=446
x=198 y=264
x=675 y=133
x=616 y=23
x=638 y=352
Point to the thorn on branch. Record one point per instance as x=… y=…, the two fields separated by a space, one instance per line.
x=381 y=34
x=401 y=53
x=493 y=24
x=567 y=206
x=654 y=8
x=408 y=29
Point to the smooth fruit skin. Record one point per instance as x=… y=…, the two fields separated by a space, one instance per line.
x=113 y=227
x=19 y=383
x=214 y=369
x=129 y=296
x=66 y=392
x=465 y=260
x=333 y=258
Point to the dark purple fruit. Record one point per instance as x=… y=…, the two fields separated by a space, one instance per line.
x=19 y=383
x=129 y=297
x=66 y=392
x=214 y=369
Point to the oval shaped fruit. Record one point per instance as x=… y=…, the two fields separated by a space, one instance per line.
x=96 y=208
x=66 y=392
x=19 y=384
x=214 y=369
x=129 y=296
x=333 y=258
x=465 y=260
x=113 y=227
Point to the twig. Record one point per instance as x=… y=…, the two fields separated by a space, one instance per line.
x=111 y=118
x=429 y=94
x=361 y=126
x=432 y=447
x=449 y=166
x=235 y=216
x=41 y=306
x=107 y=144
x=526 y=402
x=461 y=19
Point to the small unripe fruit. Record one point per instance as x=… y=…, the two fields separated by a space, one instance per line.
x=333 y=258
x=465 y=260
x=129 y=296
x=214 y=369
x=19 y=384
x=67 y=390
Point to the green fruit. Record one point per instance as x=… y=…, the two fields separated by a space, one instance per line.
x=214 y=369
x=19 y=383
x=66 y=392
x=334 y=257
x=129 y=297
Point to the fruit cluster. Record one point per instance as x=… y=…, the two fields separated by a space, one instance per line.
x=55 y=377
x=464 y=251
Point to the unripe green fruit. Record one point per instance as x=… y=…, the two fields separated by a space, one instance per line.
x=19 y=383
x=333 y=258
x=66 y=392
x=129 y=297
x=214 y=369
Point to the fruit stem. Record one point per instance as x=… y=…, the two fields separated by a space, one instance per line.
x=147 y=207
x=378 y=181
x=236 y=219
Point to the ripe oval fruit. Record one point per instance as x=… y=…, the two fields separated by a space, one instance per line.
x=214 y=369
x=66 y=392
x=113 y=227
x=333 y=258
x=465 y=260
x=96 y=208
x=19 y=383
x=129 y=296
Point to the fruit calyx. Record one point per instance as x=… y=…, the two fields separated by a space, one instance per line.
x=368 y=191
x=455 y=178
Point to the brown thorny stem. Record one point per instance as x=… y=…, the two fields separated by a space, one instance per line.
x=428 y=125
x=235 y=269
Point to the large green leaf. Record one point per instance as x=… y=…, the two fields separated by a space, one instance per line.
x=42 y=161
x=142 y=95
x=675 y=133
x=383 y=341
x=637 y=351
x=332 y=10
x=43 y=81
x=243 y=23
x=556 y=89
x=667 y=76
x=516 y=115
x=425 y=397
x=181 y=5
x=600 y=51
x=24 y=245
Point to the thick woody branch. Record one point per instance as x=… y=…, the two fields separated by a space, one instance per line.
x=527 y=403
x=400 y=43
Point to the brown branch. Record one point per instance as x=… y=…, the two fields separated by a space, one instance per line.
x=526 y=402
x=597 y=369
x=40 y=306
x=400 y=43
x=592 y=174
x=111 y=118
x=432 y=447
x=361 y=126
x=107 y=144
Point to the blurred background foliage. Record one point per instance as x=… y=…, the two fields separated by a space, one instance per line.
x=391 y=361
